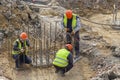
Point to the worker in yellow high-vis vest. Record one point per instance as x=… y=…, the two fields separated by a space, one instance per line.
x=63 y=61
x=19 y=52
x=71 y=24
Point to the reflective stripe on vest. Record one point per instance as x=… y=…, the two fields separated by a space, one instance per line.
x=19 y=46
x=61 y=58
x=74 y=21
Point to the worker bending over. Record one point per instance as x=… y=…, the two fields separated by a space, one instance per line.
x=63 y=61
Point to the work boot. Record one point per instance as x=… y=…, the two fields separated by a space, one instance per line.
x=76 y=57
x=20 y=67
x=56 y=71
x=61 y=73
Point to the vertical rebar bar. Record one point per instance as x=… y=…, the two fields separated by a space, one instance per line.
x=44 y=52
x=55 y=38
x=47 y=47
x=33 y=50
x=115 y=11
x=36 y=52
x=40 y=52
x=47 y=61
x=10 y=56
x=50 y=40
x=34 y=45
x=116 y=3
x=40 y=44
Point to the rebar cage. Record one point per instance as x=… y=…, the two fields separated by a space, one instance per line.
x=45 y=40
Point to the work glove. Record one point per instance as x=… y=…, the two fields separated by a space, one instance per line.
x=22 y=50
x=66 y=29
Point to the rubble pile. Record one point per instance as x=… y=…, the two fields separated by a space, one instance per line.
x=16 y=16
x=105 y=66
x=88 y=7
x=116 y=52
x=112 y=73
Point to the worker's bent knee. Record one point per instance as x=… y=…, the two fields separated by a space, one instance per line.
x=71 y=65
x=15 y=56
x=28 y=60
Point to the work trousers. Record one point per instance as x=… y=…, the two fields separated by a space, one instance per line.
x=76 y=41
x=64 y=69
x=20 y=59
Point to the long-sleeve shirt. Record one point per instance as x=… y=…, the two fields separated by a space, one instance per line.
x=16 y=44
x=69 y=24
x=70 y=59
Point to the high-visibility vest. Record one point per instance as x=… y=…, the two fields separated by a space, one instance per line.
x=19 y=46
x=61 y=58
x=74 y=21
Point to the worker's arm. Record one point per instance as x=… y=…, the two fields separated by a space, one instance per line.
x=70 y=59
x=15 y=46
x=28 y=42
x=78 y=25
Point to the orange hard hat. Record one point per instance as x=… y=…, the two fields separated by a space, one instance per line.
x=69 y=47
x=69 y=14
x=23 y=36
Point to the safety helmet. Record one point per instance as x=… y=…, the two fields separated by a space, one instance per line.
x=69 y=14
x=23 y=36
x=69 y=47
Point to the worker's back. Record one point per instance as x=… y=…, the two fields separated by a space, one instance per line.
x=61 y=58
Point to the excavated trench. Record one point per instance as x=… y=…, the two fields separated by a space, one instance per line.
x=98 y=50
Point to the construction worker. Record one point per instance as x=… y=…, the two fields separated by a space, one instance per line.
x=71 y=24
x=20 y=50
x=63 y=61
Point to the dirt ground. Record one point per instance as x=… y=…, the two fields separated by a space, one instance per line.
x=80 y=71
x=111 y=36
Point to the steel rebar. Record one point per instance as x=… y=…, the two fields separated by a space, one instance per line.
x=40 y=45
x=44 y=45
x=36 y=53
